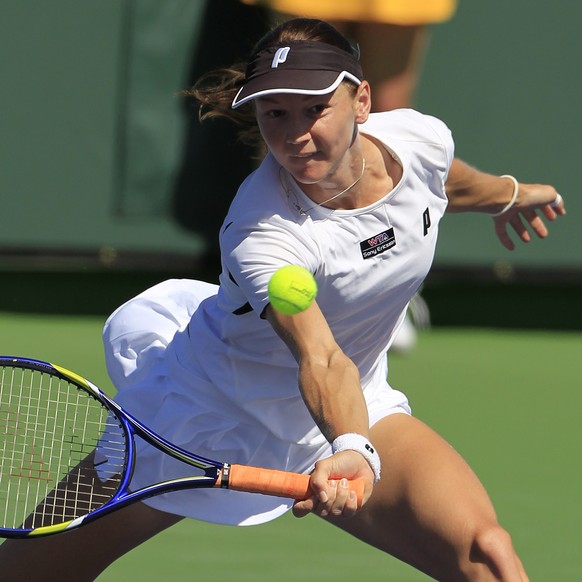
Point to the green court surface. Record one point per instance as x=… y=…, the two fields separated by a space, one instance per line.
x=509 y=401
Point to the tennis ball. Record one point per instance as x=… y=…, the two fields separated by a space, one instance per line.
x=292 y=289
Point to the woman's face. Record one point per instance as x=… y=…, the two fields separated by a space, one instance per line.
x=311 y=135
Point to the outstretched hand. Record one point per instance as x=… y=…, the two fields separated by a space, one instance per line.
x=533 y=198
x=329 y=482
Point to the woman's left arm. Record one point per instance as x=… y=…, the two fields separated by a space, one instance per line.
x=506 y=200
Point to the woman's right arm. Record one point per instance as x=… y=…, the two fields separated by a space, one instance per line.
x=330 y=386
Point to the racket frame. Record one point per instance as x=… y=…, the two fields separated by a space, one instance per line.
x=131 y=427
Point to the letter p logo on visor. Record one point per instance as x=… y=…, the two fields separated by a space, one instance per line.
x=280 y=56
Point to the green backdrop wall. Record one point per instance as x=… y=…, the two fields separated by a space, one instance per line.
x=92 y=134
x=505 y=76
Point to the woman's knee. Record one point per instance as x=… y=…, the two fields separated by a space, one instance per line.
x=491 y=553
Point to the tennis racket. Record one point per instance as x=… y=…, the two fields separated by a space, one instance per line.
x=67 y=454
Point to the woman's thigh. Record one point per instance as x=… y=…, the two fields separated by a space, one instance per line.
x=429 y=507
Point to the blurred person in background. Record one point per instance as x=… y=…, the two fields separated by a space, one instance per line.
x=227 y=27
x=392 y=35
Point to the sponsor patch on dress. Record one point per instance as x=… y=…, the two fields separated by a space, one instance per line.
x=378 y=244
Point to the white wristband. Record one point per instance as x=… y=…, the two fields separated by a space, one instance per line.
x=513 y=196
x=356 y=442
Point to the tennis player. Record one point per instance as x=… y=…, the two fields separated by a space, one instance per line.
x=356 y=198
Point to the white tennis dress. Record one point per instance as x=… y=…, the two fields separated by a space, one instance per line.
x=200 y=365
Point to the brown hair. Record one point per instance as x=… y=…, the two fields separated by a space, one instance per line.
x=215 y=91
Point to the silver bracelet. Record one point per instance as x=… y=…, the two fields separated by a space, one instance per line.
x=356 y=442
x=513 y=196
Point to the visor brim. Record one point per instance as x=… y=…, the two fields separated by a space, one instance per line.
x=297 y=81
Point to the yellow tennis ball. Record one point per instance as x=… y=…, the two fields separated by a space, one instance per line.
x=292 y=289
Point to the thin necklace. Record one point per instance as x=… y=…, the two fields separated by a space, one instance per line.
x=306 y=210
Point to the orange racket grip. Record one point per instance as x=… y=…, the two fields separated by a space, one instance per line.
x=273 y=482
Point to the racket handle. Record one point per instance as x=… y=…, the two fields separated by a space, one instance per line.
x=278 y=483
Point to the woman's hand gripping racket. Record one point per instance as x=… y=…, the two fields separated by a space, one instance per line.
x=67 y=454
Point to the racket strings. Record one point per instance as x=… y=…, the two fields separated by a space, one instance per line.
x=61 y=453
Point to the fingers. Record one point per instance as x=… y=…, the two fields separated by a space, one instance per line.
x=558 y=205
x=503 y=235
x=340 y=501
x=556 y=208
x=536 y=224
x=522 y=223
x=303 y=508
x=517 y=224
x=526 y=219
x=332 y=495
x=520 y=228
x=336 y=500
